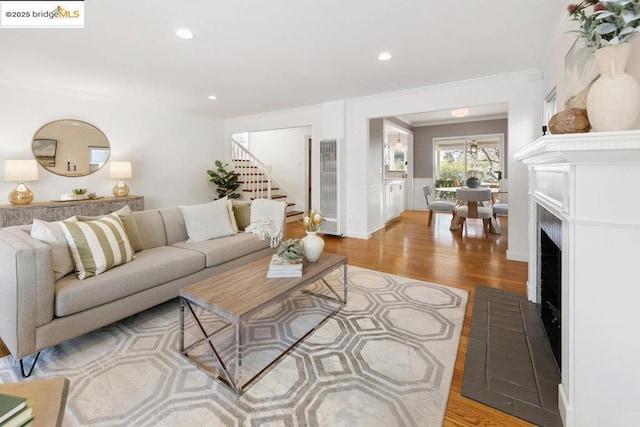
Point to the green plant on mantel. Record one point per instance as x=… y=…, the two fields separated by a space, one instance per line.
x=610 y=22
x=226 y=181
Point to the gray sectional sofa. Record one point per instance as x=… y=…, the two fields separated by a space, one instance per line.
x=37 y=312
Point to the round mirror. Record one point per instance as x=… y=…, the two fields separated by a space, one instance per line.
x=70 y=147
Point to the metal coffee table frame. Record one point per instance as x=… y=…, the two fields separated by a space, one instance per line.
x=188 y=301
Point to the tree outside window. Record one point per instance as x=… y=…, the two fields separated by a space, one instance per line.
x=456 y=158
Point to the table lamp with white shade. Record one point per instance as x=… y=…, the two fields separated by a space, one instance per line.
x=20 y=171
x=120 y=171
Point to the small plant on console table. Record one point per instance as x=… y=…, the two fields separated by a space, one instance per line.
x=226 y=181
x=79 y=193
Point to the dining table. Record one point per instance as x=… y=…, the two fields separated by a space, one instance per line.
x=469 y=197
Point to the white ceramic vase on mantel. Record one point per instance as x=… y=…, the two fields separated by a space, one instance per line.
x=613 y=102
x=313 y=246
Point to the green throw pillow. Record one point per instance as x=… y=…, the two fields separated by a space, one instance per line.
x=242 y=212
x=98 y=245
x=130 y=226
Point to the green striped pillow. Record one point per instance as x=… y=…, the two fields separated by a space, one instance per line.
x=97 y=245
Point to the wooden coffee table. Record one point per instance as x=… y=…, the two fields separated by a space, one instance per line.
x=49 y=398
x=240 y=295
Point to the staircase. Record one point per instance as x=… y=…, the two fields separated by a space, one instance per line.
x=256 y=182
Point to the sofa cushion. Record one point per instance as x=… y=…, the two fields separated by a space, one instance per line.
x=174 y=227
x=151 y=228
x=207 y=220
x=128 y=221
x=152 y=267
x=223 y=249
x=130 y=226
x=98 y=245
x=51 y=233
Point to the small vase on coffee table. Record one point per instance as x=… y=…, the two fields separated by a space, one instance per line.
x=313 y=246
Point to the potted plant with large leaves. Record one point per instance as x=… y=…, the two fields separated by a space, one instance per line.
x=226 y=181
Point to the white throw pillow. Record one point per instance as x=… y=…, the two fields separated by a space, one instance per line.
x=207 y=221
x=52 y=234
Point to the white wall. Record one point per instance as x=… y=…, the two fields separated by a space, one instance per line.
x=170 y=152
x=285 y=151
x=333 y=119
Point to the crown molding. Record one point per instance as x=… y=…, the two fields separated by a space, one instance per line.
x=87 y=96
x=530 y=75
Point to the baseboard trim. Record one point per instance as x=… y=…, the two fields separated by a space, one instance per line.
x=365 y=236
x=566 y=413
x=517 y=256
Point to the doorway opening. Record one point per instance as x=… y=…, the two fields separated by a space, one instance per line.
x=286 y=154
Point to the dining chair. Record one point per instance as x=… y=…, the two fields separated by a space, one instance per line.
x=442 y=206
x=472 y=207
x=500 y=209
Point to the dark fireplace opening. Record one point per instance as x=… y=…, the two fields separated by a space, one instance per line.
x=550 y=278
x=550 y=293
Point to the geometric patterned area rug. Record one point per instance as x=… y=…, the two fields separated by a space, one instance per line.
x=385 y=359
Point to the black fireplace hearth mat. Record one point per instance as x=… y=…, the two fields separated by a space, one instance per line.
x=509 y=364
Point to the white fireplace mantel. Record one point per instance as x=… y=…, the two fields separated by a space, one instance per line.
x=591 y=182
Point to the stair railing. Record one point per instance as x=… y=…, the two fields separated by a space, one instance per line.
x=253 y=173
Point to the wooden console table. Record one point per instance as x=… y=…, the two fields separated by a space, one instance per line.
x=49 y=398
x=56 y=211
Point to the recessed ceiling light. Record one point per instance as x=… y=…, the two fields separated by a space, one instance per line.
x=212 y=97
x=462 y=112
x=183 y=33
x=384 y=56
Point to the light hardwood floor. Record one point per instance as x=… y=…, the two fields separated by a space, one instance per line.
x=407 y=247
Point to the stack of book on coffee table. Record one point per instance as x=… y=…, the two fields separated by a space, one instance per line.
x=15 y=411
x=279 y=267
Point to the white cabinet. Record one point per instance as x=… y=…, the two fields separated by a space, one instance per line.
x=394 y=199
x=389 y=205
x=399 y=198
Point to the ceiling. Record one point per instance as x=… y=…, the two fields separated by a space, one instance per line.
x=259 y=56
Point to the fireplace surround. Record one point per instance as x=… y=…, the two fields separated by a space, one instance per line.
x=589 y=183
x=549 y=278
